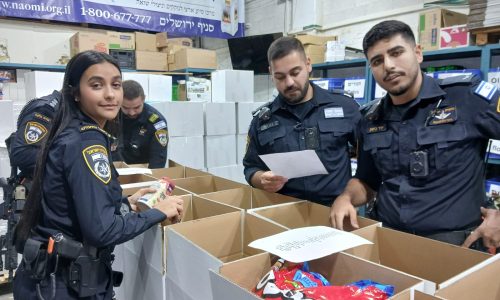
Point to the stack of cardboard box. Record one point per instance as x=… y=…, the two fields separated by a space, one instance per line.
x=148 y=57
x=315 y=46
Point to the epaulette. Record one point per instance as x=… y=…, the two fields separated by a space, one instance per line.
x=459 y=80
x=371 y=110
x=342 y=92
x=153 y=118
x=94 y=127
x=52 y=100
x=263 y=112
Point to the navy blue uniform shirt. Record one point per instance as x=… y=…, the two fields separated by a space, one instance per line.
x=331 y=117
x=81 y=193
x=451 y=123
x=145 y=139
x=33 y=124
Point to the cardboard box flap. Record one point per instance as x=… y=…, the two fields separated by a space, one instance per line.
x=206 y=184
x=428 y=259
x=203 y=208
x=135 y=178
x=414 y=295
x=450 y=18
x=239 y=197
x=262 y=198
x=347 y=269
x=481 y=284
x=127 y=191
x=255 y=228
x=255 y=268
x=172 y=172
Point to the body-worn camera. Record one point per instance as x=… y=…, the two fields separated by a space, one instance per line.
x=419 y=164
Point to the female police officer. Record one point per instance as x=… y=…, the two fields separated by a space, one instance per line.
x=76 y=199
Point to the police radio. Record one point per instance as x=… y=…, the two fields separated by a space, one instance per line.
x=419 y=164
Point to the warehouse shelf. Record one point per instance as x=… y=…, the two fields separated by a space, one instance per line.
x=481 y=59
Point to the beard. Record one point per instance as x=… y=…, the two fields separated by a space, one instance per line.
x=299 y=98
x=403 y=88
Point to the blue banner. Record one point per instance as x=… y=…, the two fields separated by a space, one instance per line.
x=210 y=18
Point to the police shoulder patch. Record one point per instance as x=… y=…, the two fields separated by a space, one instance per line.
x=34 y=132
x=96 y=158
x=153 y=118
x=486 y=90
x=162 y=137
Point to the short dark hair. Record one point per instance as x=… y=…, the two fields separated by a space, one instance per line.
x=283 y=46
x=132 y=89
x=386 y=30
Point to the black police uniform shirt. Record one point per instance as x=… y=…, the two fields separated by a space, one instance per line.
x=325 y=124
x=145 y=139
x=451 y=121
x=33 y=124
x=82 y=197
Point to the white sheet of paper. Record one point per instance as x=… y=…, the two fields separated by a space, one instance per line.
x=132 y=171
x=308 y=243
x=294 y=164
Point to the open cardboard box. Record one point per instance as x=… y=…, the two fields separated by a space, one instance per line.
x=247 y=197
x=143 y=259
x=303 y=214
x=236 y=280
x=206 y=184
x=127 y=180
x=177 y=172
x=431 y=260
x=414 y=295
x=197 y=246
x=480 y=282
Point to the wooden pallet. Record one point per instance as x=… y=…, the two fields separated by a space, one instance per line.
x=486 y=35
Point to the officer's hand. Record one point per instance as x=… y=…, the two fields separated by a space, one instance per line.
x=132 y=200
x=172 y=207
x=489 y=230
x=341 y=208
x=272 y=183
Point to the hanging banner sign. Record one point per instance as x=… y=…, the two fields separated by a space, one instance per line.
x=209 y=18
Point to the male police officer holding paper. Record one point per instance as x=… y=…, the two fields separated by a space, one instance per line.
x=302 y=117
x=144 y=131
x=422 y=147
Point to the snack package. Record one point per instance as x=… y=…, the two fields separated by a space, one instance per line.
x=164 y=188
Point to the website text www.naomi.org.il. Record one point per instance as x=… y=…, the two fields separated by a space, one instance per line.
x=58 y=10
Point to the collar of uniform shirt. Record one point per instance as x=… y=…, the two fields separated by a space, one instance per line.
x=316 y=99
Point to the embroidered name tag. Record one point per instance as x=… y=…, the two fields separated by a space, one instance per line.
x=334 y=112
x=378 y=128
x=269 y=125
x=443 y=115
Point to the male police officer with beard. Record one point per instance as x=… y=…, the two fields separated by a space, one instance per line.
x=302 y=117
x=421 y=148
x=144 y=131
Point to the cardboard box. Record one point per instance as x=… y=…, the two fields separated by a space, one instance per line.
x=42 y=83
x=308 y=39
x=241 y=147
x=431 y=23
x=82 y=41
x=199 y=90
x=121 y=40
x=303 y=214
x=160 y=88
x=220 y=150
x=454 y=37
x=193 y=248
x=151 y=61
x=231 y=172
x=338 y=269
x=247 y=197
x=143 y=259
x=206 y=184
x=177 y=172
x=220 y=118
x=161 y=39
x=414 y=295
x=477 y=283
x=194 y=58
x=184 y=118
x=7 y=120
x=135 y=178
x=244 y=115
x=232 y=86
x=188 y=150
x=186 y=42
x=145 y=42
x=428 y=259
x=316 y=53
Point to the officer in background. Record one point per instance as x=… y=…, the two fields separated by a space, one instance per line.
x=33 y=124
x=144 y=131
x=421 y=148
x=303 y=116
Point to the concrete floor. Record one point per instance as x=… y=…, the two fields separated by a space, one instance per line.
x=6 y=291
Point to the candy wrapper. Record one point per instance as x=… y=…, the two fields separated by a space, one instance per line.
x=296 y=282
